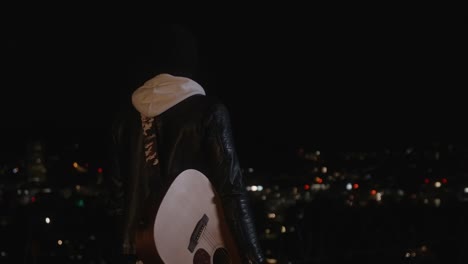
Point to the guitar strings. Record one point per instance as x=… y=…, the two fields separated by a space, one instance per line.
x=210 y=240
x=212 y=243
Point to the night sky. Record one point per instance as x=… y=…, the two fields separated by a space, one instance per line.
x=334 y=81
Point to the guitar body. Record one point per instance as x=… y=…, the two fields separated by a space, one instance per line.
x=190 y=227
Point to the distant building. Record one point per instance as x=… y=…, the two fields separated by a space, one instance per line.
x=35 y=162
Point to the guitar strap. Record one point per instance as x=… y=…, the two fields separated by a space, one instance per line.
x=150 y=142
x=155 y=182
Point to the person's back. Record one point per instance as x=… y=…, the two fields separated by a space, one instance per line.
x=174 y=126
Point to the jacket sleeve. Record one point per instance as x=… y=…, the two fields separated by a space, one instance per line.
x=227 y=177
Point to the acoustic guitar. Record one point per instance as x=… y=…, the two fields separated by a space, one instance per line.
x=190 y=227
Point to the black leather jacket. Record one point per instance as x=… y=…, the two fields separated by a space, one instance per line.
x=196 y=133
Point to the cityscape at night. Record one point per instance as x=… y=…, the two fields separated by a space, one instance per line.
x=350 y=132
x=395 y=205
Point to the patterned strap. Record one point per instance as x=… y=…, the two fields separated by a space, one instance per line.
x=151 y=155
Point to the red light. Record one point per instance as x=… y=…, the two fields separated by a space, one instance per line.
x=33 y=199
x=318 y=180
x=99 y=170
x=444 y=180
x=306 y=187
x=373 y=192
x=426 y=181
x=355 y=186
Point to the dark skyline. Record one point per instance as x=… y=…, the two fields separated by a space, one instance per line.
x=342 y=81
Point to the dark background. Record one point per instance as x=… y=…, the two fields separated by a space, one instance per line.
x=377 y=90
x=333 y=78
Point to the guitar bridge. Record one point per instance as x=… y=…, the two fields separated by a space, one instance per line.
x=197 y=232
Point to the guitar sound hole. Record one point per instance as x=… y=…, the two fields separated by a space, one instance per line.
x=201 y=257
x=221 y=256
